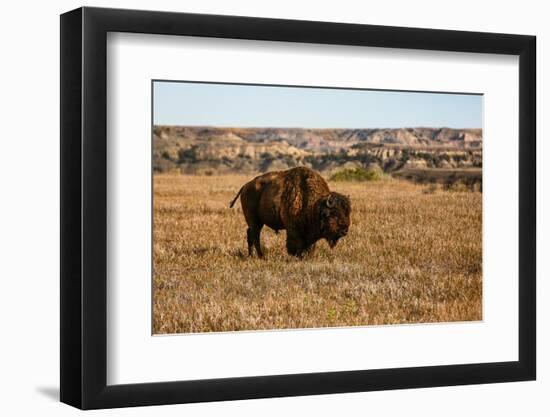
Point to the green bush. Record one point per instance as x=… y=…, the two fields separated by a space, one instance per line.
x=458 y=186
x=431 y=188
x=357 y=174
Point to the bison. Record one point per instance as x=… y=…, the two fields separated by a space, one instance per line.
x=299 y=201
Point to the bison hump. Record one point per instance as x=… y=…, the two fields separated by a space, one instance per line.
x=303 y=188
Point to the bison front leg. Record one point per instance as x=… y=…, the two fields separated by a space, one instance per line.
x=295 y=245
x=310 y=250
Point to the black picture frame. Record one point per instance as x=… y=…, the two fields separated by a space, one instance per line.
x=84 y=207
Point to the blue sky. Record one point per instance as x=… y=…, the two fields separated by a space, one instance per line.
x=230 y=105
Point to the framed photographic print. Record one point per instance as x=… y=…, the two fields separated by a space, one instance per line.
x=257 y=207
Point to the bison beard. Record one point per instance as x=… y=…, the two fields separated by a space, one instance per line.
x=299 y=201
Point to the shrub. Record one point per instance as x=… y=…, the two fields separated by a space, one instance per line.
x=457 y=186
x=431 y=188
x=163 y=165
x=358 y=174
x=187 y=155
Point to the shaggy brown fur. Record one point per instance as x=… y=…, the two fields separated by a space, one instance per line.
x=299 y=201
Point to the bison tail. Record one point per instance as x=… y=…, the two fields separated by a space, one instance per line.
x=235 y=199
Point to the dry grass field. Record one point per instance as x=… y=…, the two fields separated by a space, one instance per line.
x=412 y=255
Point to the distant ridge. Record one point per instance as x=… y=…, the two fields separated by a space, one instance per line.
x=325 y=139
x=259 y=149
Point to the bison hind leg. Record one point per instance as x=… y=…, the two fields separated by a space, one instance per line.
x=257 y=245
x=249 y=240
x=253 y=239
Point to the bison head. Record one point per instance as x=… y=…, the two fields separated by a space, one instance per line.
x=334 y=216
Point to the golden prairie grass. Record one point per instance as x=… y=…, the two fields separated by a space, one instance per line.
x=409 y=257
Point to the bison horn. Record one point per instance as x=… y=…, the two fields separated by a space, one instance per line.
x=330 y=203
